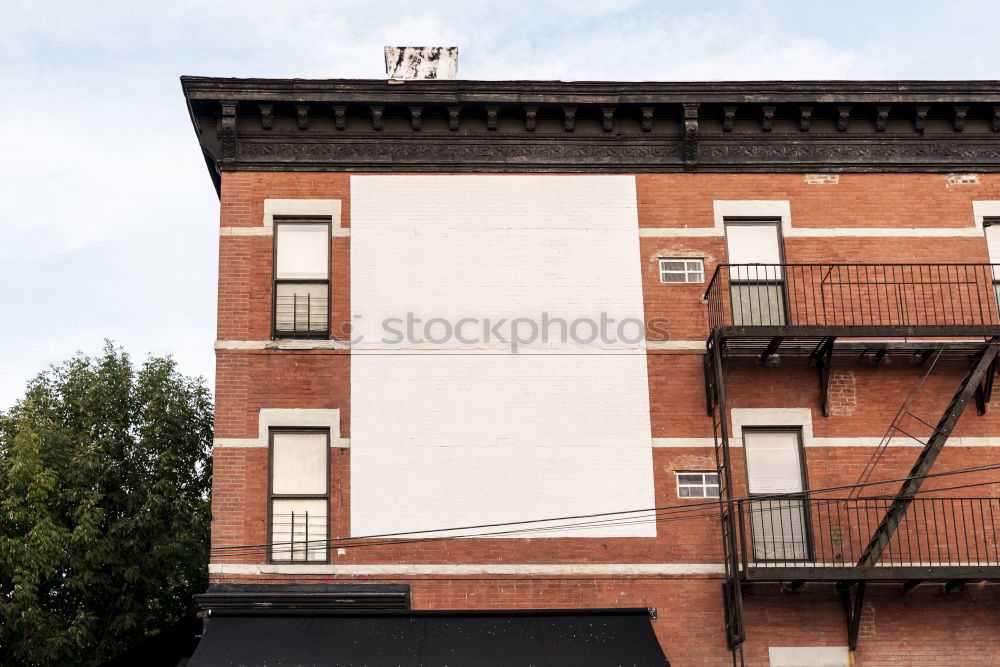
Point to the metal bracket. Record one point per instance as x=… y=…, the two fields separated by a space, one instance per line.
x=952 y=586
x=853 y=596
x=984 y=391
x=706 y=365
x=822 y=356
x=771 y=348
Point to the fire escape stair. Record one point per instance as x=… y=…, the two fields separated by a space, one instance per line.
x=976 y=384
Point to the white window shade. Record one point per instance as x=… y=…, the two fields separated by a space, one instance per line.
x=299 y=463
x=774 y=464
x=993 y=247
x=749 y=243
x=303 y=251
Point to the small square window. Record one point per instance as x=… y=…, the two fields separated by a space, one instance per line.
x=682 y=270
x=697 y=484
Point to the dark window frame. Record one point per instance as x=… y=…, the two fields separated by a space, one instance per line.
x=782 y=284
x=807 y=526
x=272 y=496
x=327 y=221
x=990 y=221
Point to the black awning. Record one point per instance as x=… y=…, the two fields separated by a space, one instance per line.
x=537 y=638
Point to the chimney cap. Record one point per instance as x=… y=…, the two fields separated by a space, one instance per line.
x=404 y=63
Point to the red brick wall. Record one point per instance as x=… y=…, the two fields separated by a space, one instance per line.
x=924 y=627
x=245 y=262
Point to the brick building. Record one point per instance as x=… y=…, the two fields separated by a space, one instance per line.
x=768 y=292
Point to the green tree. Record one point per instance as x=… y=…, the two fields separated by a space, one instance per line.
x=104 y=508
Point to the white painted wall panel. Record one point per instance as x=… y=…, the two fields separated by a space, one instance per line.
x=477 y=434
x=809 y=656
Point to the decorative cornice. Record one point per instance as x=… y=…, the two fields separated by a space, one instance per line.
x=690 y=137
x=767 y=117
x=266 y=116
x=530 y=118
x=416 y=116
x=843 y=117
x=569 y=118
x=805 y=117
x=302 y=116
x=882 y=120
x=551 y=126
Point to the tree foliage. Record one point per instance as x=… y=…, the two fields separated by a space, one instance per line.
x=104 y=508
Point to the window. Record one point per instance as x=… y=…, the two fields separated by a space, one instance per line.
x=681 y=270
x=756 y=274
x=775 y=470
x=991 y=226
x=302 y=277
x=300 y=495
x=697 y=484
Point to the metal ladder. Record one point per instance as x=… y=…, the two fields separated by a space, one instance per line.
x=732 y=594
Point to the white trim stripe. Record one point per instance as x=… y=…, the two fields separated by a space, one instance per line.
x=780 y=208
x=462 y=569
x=856 y=441
x=698 y=443
x=287 y=344
x=269 y=231
x=661 y=232
x=881 y=231
x=675 y=345
x=683 y=442
x=294 y=417
x=273 y=207
x=984 y=209
x=820 y=232
x=698 y=345
x=245 y=231
x=336 y=443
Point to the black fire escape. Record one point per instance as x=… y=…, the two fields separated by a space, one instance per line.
x=852 y=539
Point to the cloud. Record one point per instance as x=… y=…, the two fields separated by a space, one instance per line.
x=110 y=221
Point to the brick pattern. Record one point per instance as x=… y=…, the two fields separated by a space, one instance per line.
x=842 y=397
x=246 y=262
x=925 y=627
x=859 y=200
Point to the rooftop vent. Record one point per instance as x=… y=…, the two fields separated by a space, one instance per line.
x=405 y=63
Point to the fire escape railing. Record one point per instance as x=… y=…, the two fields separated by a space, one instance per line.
x=899 y=295
x=771 y=309
x=834 y=533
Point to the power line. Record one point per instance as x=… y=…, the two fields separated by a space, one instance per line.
x=685 y=506
x=598 y=519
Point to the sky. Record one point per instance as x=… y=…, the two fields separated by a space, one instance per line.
x=109 y=219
